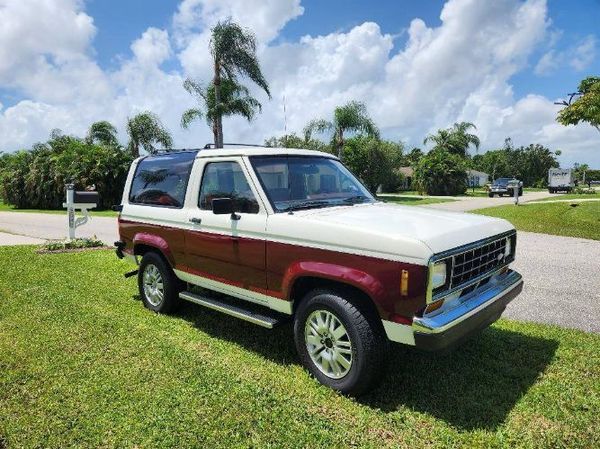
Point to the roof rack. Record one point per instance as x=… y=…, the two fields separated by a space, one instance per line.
x=210 y=146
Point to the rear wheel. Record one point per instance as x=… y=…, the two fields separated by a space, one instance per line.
x=340 y=344
x=158 y=285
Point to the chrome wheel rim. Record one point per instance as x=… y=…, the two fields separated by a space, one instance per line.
x=153 y=285
x=328 y=344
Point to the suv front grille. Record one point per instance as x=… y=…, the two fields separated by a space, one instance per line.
x=475 y=262
x=472 y=262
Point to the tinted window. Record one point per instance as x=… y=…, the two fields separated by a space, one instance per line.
x=304 y=182
x=227 y=180
x=162 y=180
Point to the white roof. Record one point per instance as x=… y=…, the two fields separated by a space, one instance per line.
x=260 y=151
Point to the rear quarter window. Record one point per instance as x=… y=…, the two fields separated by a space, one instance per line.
x=162 y=180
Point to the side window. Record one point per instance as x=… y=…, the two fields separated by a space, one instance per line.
x=226 y=180
x=162 y=180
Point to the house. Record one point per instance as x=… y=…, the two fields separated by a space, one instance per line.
x=477 y=178
x=407 y=177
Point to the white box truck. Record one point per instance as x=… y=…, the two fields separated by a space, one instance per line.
x=561 y=180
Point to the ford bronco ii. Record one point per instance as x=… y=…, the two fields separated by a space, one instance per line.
x=267 y=234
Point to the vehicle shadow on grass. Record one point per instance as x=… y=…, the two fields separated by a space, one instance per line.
x=474 y=386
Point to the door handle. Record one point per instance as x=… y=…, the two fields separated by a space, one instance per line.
x=196 y=220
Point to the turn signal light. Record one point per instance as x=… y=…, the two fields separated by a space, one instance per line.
x=404 y=283
x=434 y=306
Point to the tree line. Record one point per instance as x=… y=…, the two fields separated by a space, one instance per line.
x=35 y=178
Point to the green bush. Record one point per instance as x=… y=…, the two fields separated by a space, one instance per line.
x=36 y=179
x=583 y=191
x=374 y=161
x=441 y=173
x=61 y=245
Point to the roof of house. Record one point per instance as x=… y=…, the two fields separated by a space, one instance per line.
x=406 y=171
x=476 y=173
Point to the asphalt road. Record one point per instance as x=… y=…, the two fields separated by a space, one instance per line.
x=463 y=204
x=562 y=274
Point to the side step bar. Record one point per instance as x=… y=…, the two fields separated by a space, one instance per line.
x=264 y=319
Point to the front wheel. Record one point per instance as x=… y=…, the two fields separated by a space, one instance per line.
x=159 y=288
x=340 y=344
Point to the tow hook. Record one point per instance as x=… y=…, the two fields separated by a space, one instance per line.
x=131 y=273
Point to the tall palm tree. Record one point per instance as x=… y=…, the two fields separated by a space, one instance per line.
x=455 y=140
x=104 y=133
x=145 y=130
x=233 y=51
x=351 y=117
x=235 y=100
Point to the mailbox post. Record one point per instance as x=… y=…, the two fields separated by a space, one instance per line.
x=78 y=201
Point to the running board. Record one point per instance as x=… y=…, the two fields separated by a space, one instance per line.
x=264 y=319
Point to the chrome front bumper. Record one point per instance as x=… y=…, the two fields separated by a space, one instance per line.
x=469 y=314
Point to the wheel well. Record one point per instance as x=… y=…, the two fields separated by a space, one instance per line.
x=307 y=283
x=140 y=249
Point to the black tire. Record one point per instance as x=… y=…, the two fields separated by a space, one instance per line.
x=171 y=286
x=363 y=330
x=491 y=195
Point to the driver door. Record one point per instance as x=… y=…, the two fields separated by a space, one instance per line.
x=227 y=252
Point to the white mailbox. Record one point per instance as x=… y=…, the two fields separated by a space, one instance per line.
x=79 y=201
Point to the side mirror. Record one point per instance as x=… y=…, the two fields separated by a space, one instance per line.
x=222 y=206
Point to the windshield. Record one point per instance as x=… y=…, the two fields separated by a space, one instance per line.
x=298 y=182
x=502 y=181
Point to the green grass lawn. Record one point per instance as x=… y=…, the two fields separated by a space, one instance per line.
x=414 y=201
x=83 y=364
x=572 y=196
x=552 y=218
x=94 y=213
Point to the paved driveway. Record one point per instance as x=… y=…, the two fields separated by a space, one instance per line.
x=463 y=204
x=562 y=274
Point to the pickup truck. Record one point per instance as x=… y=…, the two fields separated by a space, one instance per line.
x=505 y=186
x=272 y=235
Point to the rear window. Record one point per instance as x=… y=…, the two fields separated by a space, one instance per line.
x=162 y=180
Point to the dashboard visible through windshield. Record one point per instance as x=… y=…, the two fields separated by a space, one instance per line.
x=301 y=182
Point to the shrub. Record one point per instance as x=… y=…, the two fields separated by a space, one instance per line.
x=61 y=245
x=374 y=161
x=441 y=173
x=582 y=191
x=36 y=178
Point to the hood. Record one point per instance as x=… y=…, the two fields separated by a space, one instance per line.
x=438 y=230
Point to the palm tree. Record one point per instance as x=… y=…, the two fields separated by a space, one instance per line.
x=455 y=140
x=104 y=133
x=145 y=130
x=235 y=100
x=351 y=117
x=233 y=50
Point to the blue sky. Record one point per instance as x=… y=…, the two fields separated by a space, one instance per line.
x=419 y=65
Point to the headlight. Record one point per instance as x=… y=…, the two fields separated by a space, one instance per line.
x=438 y=275
x=507 y=248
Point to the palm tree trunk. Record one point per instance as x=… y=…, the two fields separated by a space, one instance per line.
x=135 y=149
x=340 y=143
x=218 y=117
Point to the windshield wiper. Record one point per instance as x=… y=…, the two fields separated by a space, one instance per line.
x=357 y=199
x=306 y=205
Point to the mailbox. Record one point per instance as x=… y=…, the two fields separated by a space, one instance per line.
x=86 y=197
x=79 y=200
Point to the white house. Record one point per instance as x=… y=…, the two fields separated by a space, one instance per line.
x=477 y=178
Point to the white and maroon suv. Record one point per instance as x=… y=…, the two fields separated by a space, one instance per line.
x=296 y=233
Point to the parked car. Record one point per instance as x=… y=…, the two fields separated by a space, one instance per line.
x=505 y=186
x=270 y=235
x=561 y=180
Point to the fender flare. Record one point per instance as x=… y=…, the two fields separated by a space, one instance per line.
x=338 y=273
x=153 y=240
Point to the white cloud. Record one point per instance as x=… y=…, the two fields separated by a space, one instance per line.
x=579 y=57
x=459 y=70
x=584 y=54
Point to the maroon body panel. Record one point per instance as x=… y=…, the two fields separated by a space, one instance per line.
x=240 y=261
x=272 y=268
x=378 y=278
